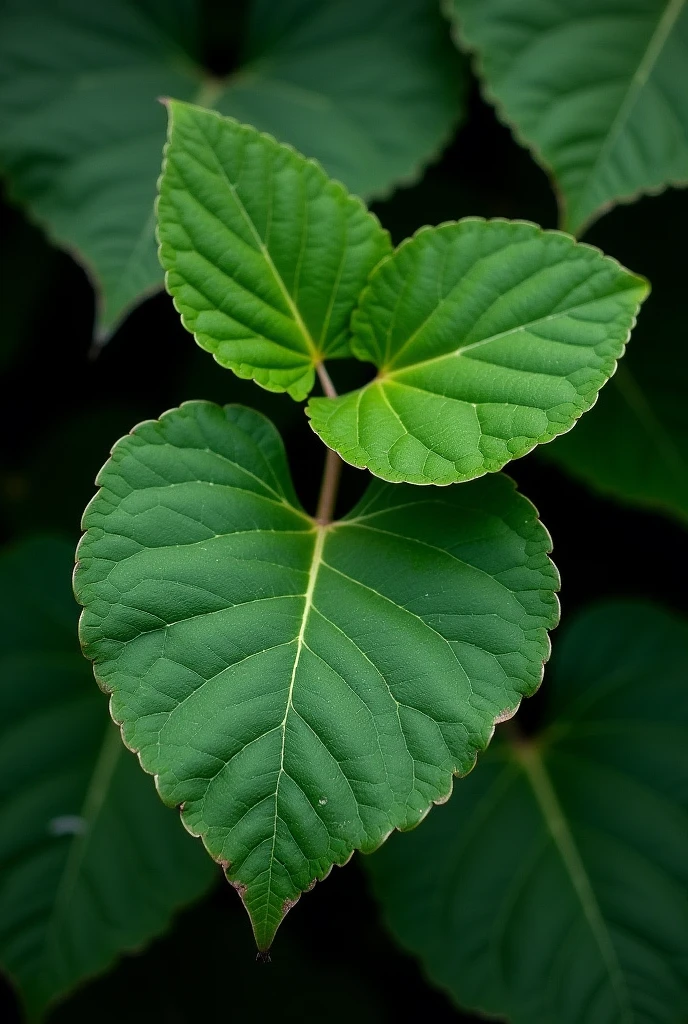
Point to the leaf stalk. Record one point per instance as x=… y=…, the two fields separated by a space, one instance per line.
x=332 y=471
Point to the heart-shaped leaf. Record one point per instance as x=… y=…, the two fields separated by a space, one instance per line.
x=490 y=337
x=371 y=88
x=91 y=863
x=302 y=690
x=553 y=886
x=265 y=255
x=598 y=92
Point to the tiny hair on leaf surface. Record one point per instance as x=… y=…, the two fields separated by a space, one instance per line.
x=371 y=88
x=301 y=690
x=597 y=91
x=265 y=256
x=490 y=337
x=91 y=864
x=553 y=885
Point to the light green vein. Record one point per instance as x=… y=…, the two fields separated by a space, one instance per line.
x=528 y=757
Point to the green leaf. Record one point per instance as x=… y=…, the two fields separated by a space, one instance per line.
x=373 y=89
x=300 y=689
x=634 y=444
x=490 y=337
x=597 y=93
x=553 y=886
x=82 y=134
x=91 y=863
x=265 y=255
x=370 y=88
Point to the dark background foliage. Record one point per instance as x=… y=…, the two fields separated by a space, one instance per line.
x=63 y=409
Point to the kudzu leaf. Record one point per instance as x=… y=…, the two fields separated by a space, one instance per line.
x=265 y=255
x=91 y=863
x=553 y=885
x=371 y=88
x=302 y=690
x=490 y=337
x=597 y=92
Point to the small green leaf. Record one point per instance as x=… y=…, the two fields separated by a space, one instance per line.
x=370 y=88
x=265 y=255
x=553 y=886
x=302 y=690
x=598 y=92
x=490 y=337
x=91 y=863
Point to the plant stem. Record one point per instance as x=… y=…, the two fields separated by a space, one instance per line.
x=329 y=487
x=333 y=464
x=324 y=378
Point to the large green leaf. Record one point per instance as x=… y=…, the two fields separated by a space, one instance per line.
x=598 y=91
x=371 y=88
x=91 y=863
x=553 y=886
x=302 y=690
x=265 y=255
x=490 y=337
x=634 y=444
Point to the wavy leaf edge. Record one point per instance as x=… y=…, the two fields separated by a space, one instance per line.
x=503 y=716
x=540 y=231
x=337 y=187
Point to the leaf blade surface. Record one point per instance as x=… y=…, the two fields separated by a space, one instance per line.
x=264 y=255
x=490 y=337
x=302 y=690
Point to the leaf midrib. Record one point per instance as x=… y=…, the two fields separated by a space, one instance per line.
x=528 y=757
x=454 y=353
x=314 y=568
x=265 y=253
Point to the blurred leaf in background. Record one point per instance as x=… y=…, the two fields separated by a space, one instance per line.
x=371 y=88
x=553 y=885
x=91 y=862
x=634 y=444
x=596 y=90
